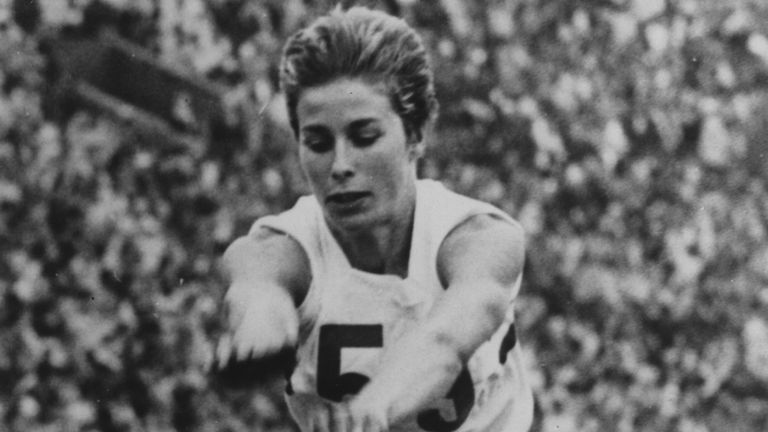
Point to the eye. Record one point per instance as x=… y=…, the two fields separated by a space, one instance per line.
x=364 y=138
x=318 y=143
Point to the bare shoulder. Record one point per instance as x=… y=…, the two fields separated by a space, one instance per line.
x=269 y=257
x=485 y=246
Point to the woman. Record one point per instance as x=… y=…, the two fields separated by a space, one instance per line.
x=396 y=292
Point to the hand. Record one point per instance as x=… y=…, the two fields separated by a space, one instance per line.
x=347 y=417
x=261 y=323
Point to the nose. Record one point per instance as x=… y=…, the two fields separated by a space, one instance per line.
x=342 y=165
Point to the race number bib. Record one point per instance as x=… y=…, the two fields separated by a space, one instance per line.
x=333 y=383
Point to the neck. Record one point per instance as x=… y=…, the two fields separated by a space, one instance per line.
x=383 y=248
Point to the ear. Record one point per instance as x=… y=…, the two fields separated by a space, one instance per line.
x=415 y=143
x=416 y=150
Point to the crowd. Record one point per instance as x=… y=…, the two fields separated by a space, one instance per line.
x=628 y=137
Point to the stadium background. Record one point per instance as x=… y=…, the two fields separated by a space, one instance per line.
x=628 y=137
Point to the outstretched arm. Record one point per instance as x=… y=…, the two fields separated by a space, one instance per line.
x=268 y=277
x=478 y=263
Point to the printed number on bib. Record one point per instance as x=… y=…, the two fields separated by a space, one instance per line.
x=333 y=385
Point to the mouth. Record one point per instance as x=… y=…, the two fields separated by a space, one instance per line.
x=346 y=198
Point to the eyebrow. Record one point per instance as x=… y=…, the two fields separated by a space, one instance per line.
x=361 y=123
x=314 y=128
x=355 y=125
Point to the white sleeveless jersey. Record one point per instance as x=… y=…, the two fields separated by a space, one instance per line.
x=348 y=316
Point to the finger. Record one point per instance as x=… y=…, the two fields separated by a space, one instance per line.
x=358 y=424
x=291 y=327
x=379 y=424
x=243 y=346
x=319 y=420
x=364 y=424
x=356 y=421
x=243 y=352
x=256 y=346
x=223 y=351
x=233 y=314
x=367 y=421
x=341 y=418
x=209 y=361
x=252 y=341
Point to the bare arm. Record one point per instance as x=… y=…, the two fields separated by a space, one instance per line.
x=478 y=262
x=268 y=276
x=268 y=258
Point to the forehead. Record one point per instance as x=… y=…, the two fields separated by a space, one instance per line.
x=343 y=101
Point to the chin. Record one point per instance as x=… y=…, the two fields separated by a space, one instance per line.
x=351 y=223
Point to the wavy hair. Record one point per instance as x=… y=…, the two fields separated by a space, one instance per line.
x=365 y=44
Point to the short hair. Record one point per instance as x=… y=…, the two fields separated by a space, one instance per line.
x=366 y=44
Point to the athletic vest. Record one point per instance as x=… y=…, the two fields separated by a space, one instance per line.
x=348 y=315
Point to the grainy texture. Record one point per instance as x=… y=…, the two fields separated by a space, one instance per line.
x=627 y=136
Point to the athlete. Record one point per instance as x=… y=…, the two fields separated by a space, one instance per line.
x=396 y=293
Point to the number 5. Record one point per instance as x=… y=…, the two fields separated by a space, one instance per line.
x=333 y=385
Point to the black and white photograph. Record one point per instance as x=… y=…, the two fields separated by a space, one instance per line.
x=383 y=216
